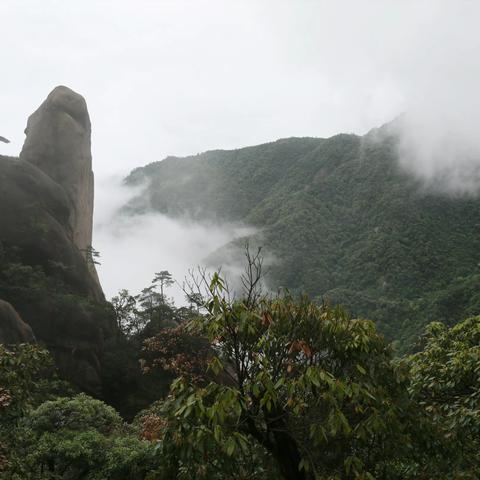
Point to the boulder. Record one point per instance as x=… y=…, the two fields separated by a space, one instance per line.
x=12 y=328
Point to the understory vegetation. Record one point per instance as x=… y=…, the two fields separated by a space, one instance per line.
x=249 y=386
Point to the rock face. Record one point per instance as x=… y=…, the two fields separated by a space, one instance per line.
x=58 y=143
x=46 y=208
x=34 y=217
x=12 y=328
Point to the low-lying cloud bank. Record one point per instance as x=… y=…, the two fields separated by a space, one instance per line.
x=133 y=248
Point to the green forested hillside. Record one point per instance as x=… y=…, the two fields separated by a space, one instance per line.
x=342 y=222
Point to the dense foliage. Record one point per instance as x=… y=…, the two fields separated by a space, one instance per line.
x=20 y=378
x=247 y=387
x=445 y=382
x=311 y=387
x=138 y=318
x=81 y=437
x=340 y=220
x=266 y=388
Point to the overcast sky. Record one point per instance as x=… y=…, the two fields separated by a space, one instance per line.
x=178 y=77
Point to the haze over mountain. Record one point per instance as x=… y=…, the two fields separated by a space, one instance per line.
x=339 y=218
x=248 y=73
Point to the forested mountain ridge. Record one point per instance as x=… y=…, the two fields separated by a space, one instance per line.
x=343 y=221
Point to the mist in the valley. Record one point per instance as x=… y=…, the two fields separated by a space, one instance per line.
x=134 y=247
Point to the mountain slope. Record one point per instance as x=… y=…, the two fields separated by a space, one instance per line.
x=342 y=220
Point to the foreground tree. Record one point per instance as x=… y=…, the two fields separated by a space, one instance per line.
x=445 y=383
x=80 y=438
x=21 y=368
x=303 y=382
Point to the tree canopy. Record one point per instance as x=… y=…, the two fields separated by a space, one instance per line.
x=313 y=388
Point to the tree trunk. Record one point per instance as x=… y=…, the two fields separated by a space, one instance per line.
x=288 y=457
x=281 y=445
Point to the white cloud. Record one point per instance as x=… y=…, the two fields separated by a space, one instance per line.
x=441 y=126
